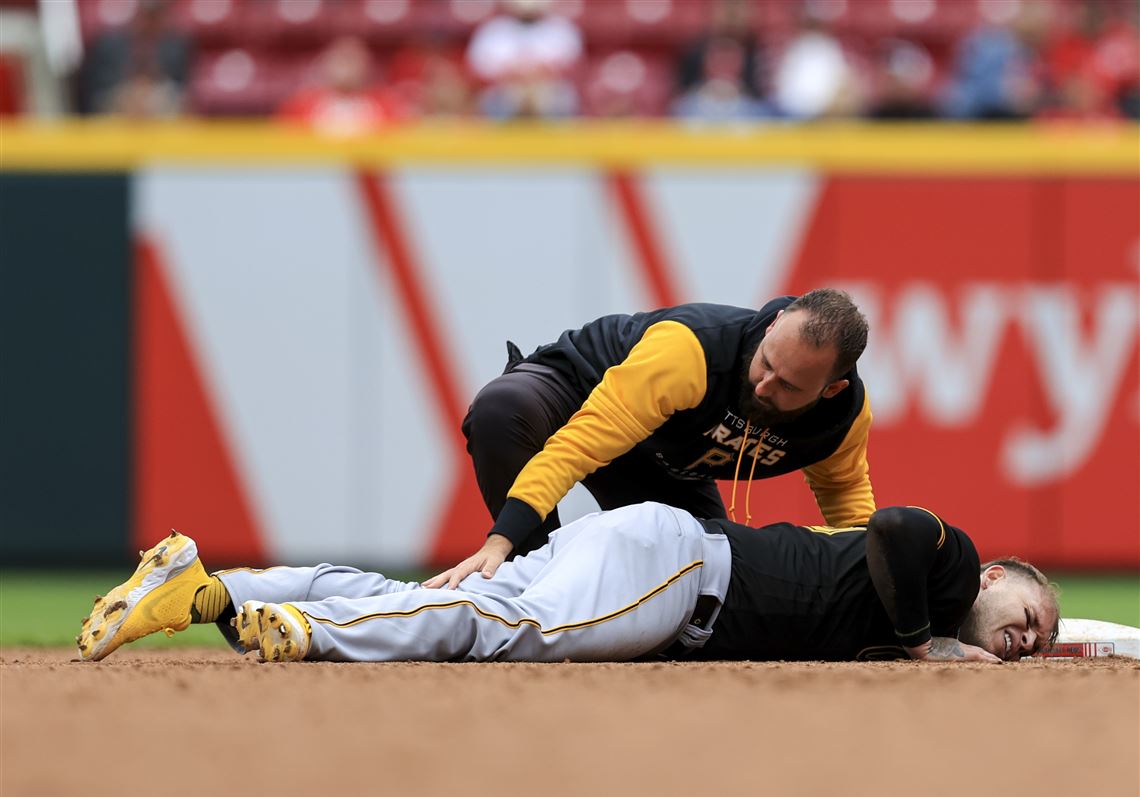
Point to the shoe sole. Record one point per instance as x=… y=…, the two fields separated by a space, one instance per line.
x=99 y=635
x=276 y=632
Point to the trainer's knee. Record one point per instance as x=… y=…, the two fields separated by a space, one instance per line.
x=501 y=408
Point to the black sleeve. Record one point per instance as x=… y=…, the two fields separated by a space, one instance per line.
x=516 y=521
x=911 y=552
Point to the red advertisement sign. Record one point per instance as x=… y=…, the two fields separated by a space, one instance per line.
x=1003 y=367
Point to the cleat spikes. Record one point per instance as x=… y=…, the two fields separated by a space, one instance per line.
x=277 y=631
x=114 y=607
x=159 y=556
x=173 y=534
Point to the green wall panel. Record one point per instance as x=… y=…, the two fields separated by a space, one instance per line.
x=64 y=374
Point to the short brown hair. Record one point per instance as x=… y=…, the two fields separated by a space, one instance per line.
x=833 y=320
x=1022 y=569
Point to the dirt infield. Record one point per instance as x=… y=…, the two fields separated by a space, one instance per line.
x=208 y=722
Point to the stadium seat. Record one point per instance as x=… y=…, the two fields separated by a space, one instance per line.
x=11 y=85
x=290 y=23
x=382 y=21
x=626 y=83
x=654 y=23
x=838 y=14
x=571 y=9
x=212 y=23
x=919 y=19
x=453 y=18
x=96 y=16
x=242 y=82
x=676 y=23
x=773 y=17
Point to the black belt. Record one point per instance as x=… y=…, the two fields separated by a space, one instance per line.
x=701 y=617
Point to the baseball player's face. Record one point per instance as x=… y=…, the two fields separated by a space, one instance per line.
x=1011 y=617
x=787 y=375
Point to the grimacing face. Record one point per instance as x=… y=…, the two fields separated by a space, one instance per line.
x=1012 y=616
x=787 y=376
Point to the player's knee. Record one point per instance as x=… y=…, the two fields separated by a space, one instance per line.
x=645 y=524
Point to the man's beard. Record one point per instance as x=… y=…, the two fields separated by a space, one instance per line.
x=760 y=412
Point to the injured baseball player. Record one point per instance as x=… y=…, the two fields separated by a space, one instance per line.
x=643 y=581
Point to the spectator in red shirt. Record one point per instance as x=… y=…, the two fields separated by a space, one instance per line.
x=346 y=101
x=429 y=77
x=1094 y=67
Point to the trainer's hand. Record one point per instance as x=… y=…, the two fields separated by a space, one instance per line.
x=941 y=648
x=493 y=553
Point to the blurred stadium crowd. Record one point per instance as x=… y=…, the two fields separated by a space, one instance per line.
x=347 y=66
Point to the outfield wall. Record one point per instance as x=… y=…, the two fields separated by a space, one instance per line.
x=309 y=319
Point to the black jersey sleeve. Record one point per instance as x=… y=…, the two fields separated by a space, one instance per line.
x=910 y=553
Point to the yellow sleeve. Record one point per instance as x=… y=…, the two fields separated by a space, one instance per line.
x=842 y=482
x=665 y=372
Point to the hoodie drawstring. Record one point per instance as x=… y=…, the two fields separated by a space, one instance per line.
x=751 y=471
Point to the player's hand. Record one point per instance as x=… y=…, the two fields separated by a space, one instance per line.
x=942 y=648
x=493 y=553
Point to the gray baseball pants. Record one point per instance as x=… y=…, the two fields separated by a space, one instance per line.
x=612 y=586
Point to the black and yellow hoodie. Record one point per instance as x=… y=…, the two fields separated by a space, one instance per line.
x=668 y=382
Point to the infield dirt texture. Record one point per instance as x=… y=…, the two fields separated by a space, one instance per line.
x=207 y=722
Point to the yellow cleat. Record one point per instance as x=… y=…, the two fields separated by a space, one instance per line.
x=246 y=625
x=158 y=597
x=278 y=631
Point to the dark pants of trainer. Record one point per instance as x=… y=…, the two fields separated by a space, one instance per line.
x=510 y=421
